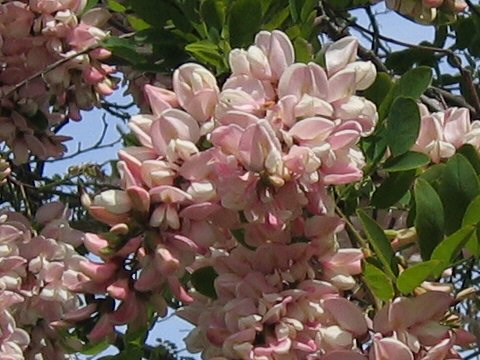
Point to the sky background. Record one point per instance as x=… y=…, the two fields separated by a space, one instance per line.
x=86 y=132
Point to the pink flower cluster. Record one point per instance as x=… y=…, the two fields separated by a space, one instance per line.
x=38 y=276
x=33 y=35
x=442 y=133
x=233 y=182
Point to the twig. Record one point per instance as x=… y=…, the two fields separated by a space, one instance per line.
x=54 y=65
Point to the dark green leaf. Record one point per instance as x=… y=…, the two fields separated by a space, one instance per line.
x=380 y=244
x=412 y=277
x=379 y=89
x=213 y=13
x=450 y=248
x=295 y=9
x=403 y=125
x=307 y=9
x=123 y=48
x=244 y=22
x=203 y=281
x=429 y=217
x=393 y=189
x=408 y=161
x=378 y=282
x=434 y=175
x=459 y=186
x=471 y=154
x=95 y=348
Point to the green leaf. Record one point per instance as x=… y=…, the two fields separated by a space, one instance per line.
x=95 y=348
x=213 y=13
x=471 y=154
x=203 y=281
x=116 y=6
x=295 y=9
x=407 y=161
x=90 y=4
x=123 y=48
x=412 y=277
x=403 y=125
x=307 y=9
x=450 y=248
x=379 y=89
x=244 y=22
x=137 y=24
x=393 y=189
x=130 y=353
x=303 y=51
x=413 y=83
x=380 y=244
x=429 y=217
x=206 y=52
x=378 y=282
x=472 y=217
x=434 y=175
x=458 y=187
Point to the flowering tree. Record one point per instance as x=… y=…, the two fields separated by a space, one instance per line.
x=291 y=192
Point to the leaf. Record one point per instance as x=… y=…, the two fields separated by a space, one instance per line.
x=90 y=4
x=429 y=217
x=303 y=51
x=412 y=277
x=95 y=348
x=307 y=9
x=137 y=24
x=213 y=13
x=434 y=175
x=378 y=282
x=203 y=281
x=295 y=9
x=380 y=244
x=393 y=189
x=116 y=6
x=413 y=83
x=244 y=22
x=379 y=89
x=458 y=187
x=471 y=155
x=472 y=217
x=448 y=249
x=407 y=161
x=123 y=48
x=206 y=52
x=403 y=125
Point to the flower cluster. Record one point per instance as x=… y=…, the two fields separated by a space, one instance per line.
x=247 y=161
x=34 y=35
x=426 y=11
x=38 y=277
x=442 y=133
x=229 y=187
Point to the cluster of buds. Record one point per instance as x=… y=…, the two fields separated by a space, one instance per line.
x=34 y=35
x=442 y=133
x=427 y=11
x=38 y=277
x=230 y=186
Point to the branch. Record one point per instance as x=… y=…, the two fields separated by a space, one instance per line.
x=53 y=66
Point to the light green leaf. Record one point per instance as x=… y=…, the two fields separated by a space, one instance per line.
x=412 y=277
x=378 y=282
x=380 y=244
x=449 y=248
x=472 y=217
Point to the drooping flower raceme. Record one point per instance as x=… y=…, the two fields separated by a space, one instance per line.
x=229 y=185
x=38 y=277
x=34 y=35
